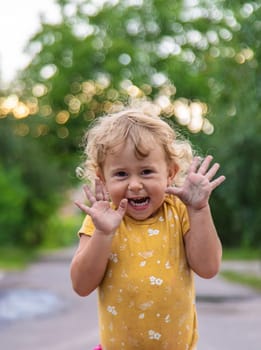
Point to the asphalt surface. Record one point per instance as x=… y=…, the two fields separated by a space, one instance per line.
x=39 y=310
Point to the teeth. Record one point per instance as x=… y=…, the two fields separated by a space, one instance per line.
x=139 y=202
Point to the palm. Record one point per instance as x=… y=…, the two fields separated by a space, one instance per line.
x=195 y=191
x=104 y=218
x=198 y=184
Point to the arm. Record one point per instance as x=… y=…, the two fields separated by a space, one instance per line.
x=90 y=260
x=202 y=245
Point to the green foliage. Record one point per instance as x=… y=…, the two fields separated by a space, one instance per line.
x=30 y=183
x=12 y=199
x=61 y=231
x=201 y=50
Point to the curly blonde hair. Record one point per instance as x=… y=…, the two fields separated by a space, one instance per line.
x=145 y=131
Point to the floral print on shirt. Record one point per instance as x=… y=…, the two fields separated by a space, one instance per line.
x=146 y=299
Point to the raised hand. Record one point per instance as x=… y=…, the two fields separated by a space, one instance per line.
x=198 y=184
x=105 y=218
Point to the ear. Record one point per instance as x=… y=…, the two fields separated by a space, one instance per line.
x=172 y=171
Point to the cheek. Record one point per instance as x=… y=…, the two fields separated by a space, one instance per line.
x=158 y=189
x=116 y=191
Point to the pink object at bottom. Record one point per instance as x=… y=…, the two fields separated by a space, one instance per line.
x=98 y=347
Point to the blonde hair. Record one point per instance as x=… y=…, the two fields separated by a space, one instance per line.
x=144 y=131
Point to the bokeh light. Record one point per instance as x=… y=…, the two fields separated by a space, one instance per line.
x=84 y=101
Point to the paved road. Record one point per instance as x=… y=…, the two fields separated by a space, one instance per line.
x=229 y=315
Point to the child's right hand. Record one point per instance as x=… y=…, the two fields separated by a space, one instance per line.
x=105 y=219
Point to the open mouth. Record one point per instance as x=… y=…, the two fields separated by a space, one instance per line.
x=139 y=202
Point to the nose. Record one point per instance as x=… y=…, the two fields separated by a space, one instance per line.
x=135 y=185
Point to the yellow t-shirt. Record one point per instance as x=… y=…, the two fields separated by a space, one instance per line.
x=147 y=298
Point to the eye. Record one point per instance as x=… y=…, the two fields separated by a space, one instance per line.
x=121 y=174
x=147 y=172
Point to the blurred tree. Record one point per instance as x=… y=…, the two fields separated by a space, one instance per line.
x=30 y=186
x=199 y=60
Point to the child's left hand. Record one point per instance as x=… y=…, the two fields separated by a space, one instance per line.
x=198 y=186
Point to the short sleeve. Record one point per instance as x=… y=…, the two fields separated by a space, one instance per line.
x=87 y=227
x=184 y=218
x=181 y=211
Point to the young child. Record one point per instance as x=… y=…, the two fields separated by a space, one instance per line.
x=148 y=228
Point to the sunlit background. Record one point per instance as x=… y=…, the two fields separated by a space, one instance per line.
x=20 y=24
x=19 y=20
x=195 y=62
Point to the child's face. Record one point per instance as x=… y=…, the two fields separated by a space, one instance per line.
x=141 y=181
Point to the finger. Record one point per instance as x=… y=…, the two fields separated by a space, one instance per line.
x=106 y=195
x=218 y=181
x=99 y=190
x=83 y=207
x=212 y=171
x=173 y=190
x=122 y=207
x=194 y=165
x=89 y=194
x=205 y=165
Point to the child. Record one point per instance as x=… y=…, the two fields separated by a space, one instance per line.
x=148 y=228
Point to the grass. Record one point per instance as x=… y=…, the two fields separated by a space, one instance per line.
x=241 y=254
x=245 y=254
x=243 y=279
x=60 y=233
x=15 y=258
